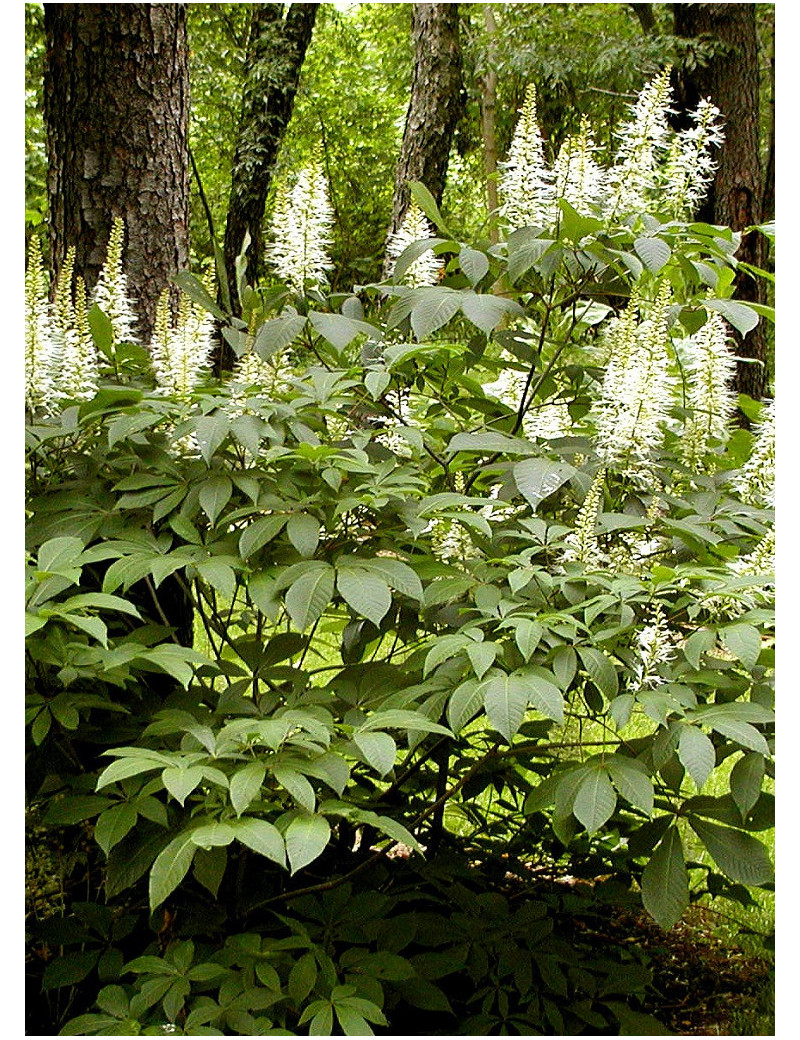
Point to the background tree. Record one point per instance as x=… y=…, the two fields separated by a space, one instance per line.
x=726 y=69
x=276 y=48
x=435 y=107
x=116 y=108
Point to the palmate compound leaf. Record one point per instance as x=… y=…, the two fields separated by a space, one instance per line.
x=665 y=883
x=379 y=749
x=306 y=837
x=537 y=478
x=631 y=779
x=435 y=308
x=261 y=837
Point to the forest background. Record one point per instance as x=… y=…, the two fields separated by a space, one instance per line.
x=215 y=114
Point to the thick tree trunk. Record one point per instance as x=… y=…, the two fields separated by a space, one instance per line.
x=276 y=50
x=436 y=105
x=730 y=78
x=646 y=16
x=116 y=105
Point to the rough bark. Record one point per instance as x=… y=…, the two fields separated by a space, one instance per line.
x=116 y=106
x=730 y=78
x=436 y=105
x=275 y=54
x=488 y=122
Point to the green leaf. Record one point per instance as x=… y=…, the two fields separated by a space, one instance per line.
x=59 y=553
x=538 y=478
x=379 y=749
x=112 y=825
x=256 y=535
x=364 y=591
x=654 y=252
x=505 y=698
x=197 y=292
x=277 y=334
x=306 y=838
x=601 y=671
x=215 y=493
x=465 y=703
x=699 y=643
x=170 y=868
x=245 y=785
x=426 y=202
x=474 y=263
x=630 y=778
x=211 y=431
x=214 y=834
x=746 y=779
x=209 y=869
x=435 y=308
x=297 y=786
x=309 y=595
x=488 y=442
x=741 y=856
x=525 y=248
x=743 y=318
x=697 y=754
x=744 y=642
x=376 y=380
x=69 y=969
x=396 y=574
x=574 y=226
x=486 y=311
x=102 y=330
x=595 y=800
x=665 y=883
x=302 y=978
x=62 y=812
x=481 y=656
x=124 y=768
x=338 y=330
x=180 y=781
x=741 y=733
x=303 y=531
x=261 y=837
x=527 y=635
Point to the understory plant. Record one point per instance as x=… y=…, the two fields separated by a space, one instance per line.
x=456 y=585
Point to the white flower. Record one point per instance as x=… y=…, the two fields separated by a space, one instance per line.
x=710 y=370
x=549 y=420
x=427 y=268
x=111 y=291
x=301 y=227
x=636 y=394
x=181 y=353
x=577 y=176
x=633 y=180
x=39 y=346
x=253 y=376
x=582 y=544
x=77 y=359
x=526 y=183
x=756 y=480
x=690 y=167
x=655 y=644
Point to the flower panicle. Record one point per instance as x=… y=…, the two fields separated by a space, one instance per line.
x=301 y=226
x=40 y=348
x=180 y=351
x=577 y=176
x=427 y=268
x=111 y=291
x=710 y=369
x=526 y=182
x=756 y=479
x=582 y=544
x=690 y=164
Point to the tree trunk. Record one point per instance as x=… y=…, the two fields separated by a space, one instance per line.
x=436 y=105
x=646 y=16
x=488 y=122
x=730 y=78
x=275 y=54
x=116 y=105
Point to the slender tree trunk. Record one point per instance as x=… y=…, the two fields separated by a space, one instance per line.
x=435 y=107
x=275 y=54
x=646 y=16
x=116 y=106
x=730 y=78
x=488 y=107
